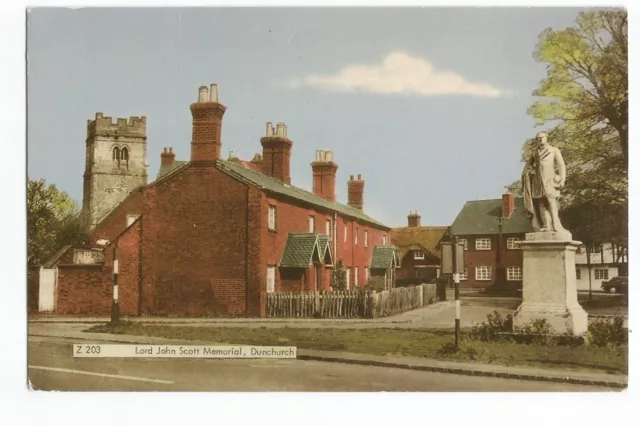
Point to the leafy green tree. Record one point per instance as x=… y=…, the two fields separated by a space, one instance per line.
x=339 y=277
x=585 y=95
x=584 y=102
x=52 y=220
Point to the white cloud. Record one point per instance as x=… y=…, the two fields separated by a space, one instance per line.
x=399 y=73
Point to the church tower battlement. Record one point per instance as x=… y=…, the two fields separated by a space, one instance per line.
x=115 y=164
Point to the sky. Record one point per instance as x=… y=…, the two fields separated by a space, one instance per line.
x=428 y=104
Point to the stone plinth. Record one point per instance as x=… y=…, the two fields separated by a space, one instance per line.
x=549 y=283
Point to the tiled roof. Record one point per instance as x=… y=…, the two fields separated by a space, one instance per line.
x=384 y=257
x=300 y=249
x=481 y=218
x=424 y=238
x=275 y=186
x=164 y=169
x=269 y=184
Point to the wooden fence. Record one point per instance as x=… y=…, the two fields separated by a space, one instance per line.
x=350 y=304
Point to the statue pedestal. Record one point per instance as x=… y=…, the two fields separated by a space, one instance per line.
x=549 y=283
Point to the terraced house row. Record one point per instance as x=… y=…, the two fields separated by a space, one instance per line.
x=209 y=236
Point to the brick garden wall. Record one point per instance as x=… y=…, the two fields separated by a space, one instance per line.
x=84 y=289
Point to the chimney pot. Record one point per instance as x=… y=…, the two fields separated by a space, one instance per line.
x=359 y=177
x=213 y=93
x=203 y=94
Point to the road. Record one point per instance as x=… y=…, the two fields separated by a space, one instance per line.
x=52 y=367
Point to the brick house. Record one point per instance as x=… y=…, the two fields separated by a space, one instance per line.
x=490 y=230
x=418 y=250
x=210 y=237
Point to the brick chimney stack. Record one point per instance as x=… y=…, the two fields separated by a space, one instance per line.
x=207 y=115
x=276 y=153
x=414 y=219
x=324 y=175
x=508 y=205
x=355 y=192
x=167 y=157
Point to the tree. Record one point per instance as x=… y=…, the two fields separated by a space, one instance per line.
x=52 y=220
x=585 y=96
x=339 y=277
x=585 y=93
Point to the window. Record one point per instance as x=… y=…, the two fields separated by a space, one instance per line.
x=124 y=154
x=601 y=274
x=312 y=224
x=355 y=276
x=348 y=271
x=577 y=274
x=272 y=218
x=131 y=218
x=514 y=273
x=483 y=244
x=464 y=276
x=115 y=153
x=384 y=240
x=512 y=243
x=327 y=228
x=483 y=273
x=366 y=275
x=366 y=238
x=271 y=279
x=594 y=248
x=418 y=254
x=464 y=242
x=345 y=233
x=355 y=237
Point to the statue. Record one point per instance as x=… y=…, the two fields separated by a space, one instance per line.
x=543 y=176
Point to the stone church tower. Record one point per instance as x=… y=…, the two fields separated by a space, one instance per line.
x=116 y=164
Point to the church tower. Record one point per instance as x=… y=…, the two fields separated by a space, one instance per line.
x=116 y=164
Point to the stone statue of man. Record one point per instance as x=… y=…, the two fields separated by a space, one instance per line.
x=543 y=176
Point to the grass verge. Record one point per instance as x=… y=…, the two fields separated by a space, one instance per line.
x=420 y=343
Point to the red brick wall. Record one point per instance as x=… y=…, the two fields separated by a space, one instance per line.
x=84 y=289
x=116 y=221
x=195 y=231
x=295 y=218
x=359 y=255
x=129 y=269
x=475 y=258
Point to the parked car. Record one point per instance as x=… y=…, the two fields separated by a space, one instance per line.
x=616 y=285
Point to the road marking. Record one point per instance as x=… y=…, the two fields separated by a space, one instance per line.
x=89 y=373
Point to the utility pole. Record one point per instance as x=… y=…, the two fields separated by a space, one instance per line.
x=115 y=308
x=456 y=280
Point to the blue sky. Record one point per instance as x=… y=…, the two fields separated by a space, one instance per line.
x=428 y=104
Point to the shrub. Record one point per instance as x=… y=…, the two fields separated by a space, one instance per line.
x=603 y=332
x=537 y=331
x=493 y=328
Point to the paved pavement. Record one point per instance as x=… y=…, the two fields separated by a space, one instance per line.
x=437 y=316
x=52 y=367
